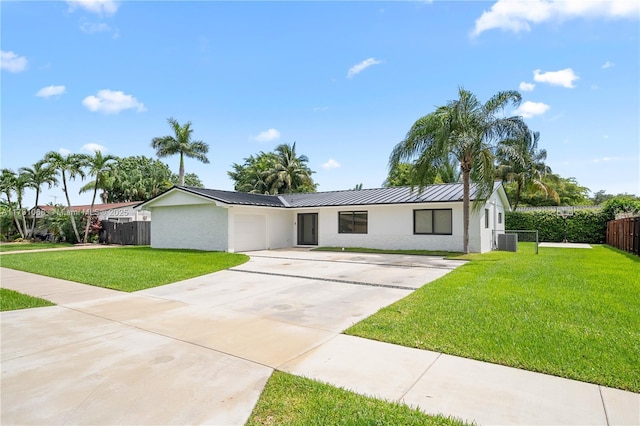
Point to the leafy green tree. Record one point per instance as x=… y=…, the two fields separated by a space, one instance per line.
x=180 y=143
x=36 y=176
x=466 y=129
x=70 y=165
x=190 y=179
x=10 y=182
x=252 y=176
x=521 y=162
x=621 y=204
x=399 y=175
x=291 y=172
x=602 y=196
x=569 y=191
x=278 y=172
x=137 y=178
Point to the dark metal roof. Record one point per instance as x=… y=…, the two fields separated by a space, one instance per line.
x=394 y=195
x=238 y=198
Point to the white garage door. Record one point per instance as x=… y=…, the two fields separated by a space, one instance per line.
x=250 y=232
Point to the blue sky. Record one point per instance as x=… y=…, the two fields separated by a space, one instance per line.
x=345 y=80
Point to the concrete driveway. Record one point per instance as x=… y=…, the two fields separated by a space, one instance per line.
x=194 y=352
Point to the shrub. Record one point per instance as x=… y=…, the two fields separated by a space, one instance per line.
x=585 y=226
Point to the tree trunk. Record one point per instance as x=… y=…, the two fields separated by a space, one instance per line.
x=93 y=201
x=465 y=208
x=73 y=218
x=518 y=191
x=35 y=212
x=15 y=216
x=181 y=171
x=24 y=220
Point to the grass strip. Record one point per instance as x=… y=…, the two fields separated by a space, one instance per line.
x=386 y=251
x=31 y=246
x=293 y=400
x=127 y=268
x=11 y=300
x=572 y=313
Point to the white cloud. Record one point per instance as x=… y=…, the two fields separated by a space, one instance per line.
x=530 y=109
x=49 y=91
x=526 y=87
x=518 y=15
x=608 y=65
x=564 y=78
x=112 y=102
x=358 y=68
x=11 y=62
x=93 y=147
x=64 y=151
x=94 y=27
x=331 y=164
x=99 y=7
x=606 y=159
x=268 y=136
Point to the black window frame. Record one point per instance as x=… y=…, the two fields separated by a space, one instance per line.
x=433 y=222
x=486 y=218
x=500 y=218
x=353 y=221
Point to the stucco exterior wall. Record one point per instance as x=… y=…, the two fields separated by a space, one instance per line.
x=389 y=227
x=192 y=226
x=481 y=237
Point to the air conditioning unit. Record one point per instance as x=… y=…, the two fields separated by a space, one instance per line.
x=508 y=242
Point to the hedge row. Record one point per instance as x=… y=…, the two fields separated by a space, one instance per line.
x=585 y=226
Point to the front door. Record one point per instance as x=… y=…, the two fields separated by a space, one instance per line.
x=307 y=229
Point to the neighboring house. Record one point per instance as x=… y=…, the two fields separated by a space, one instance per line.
x=113 y=212
x=388 y=218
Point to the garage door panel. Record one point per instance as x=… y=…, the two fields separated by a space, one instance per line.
x=250 y=232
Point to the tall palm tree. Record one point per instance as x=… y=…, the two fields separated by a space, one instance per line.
x=70 y=165
x=99 y=166
x=520 y=161
x=180 y=143
x=9 y=183
x=290 y=172
x=40 y=174
x=466 y=129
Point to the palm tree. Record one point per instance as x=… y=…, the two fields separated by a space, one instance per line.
x=467 y=130
x=521 y=161
x=180 y=143
x=36 y=176
x=99 y=166
x=290 y=172
x=70 y=165
x=9 y=183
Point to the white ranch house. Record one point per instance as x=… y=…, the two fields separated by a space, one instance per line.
x=385 y=218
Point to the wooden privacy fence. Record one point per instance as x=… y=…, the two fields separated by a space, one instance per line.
x=127 y=233
x=624 y=234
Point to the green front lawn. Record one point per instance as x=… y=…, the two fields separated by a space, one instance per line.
x=31 y=246
x=572 y=313
x=11 y=300
x=126 y=268
x=385 y=251
x=293 y=400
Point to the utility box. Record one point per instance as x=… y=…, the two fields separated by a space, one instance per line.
x=508 y=242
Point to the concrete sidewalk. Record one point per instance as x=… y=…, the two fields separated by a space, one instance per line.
x=159 y=357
